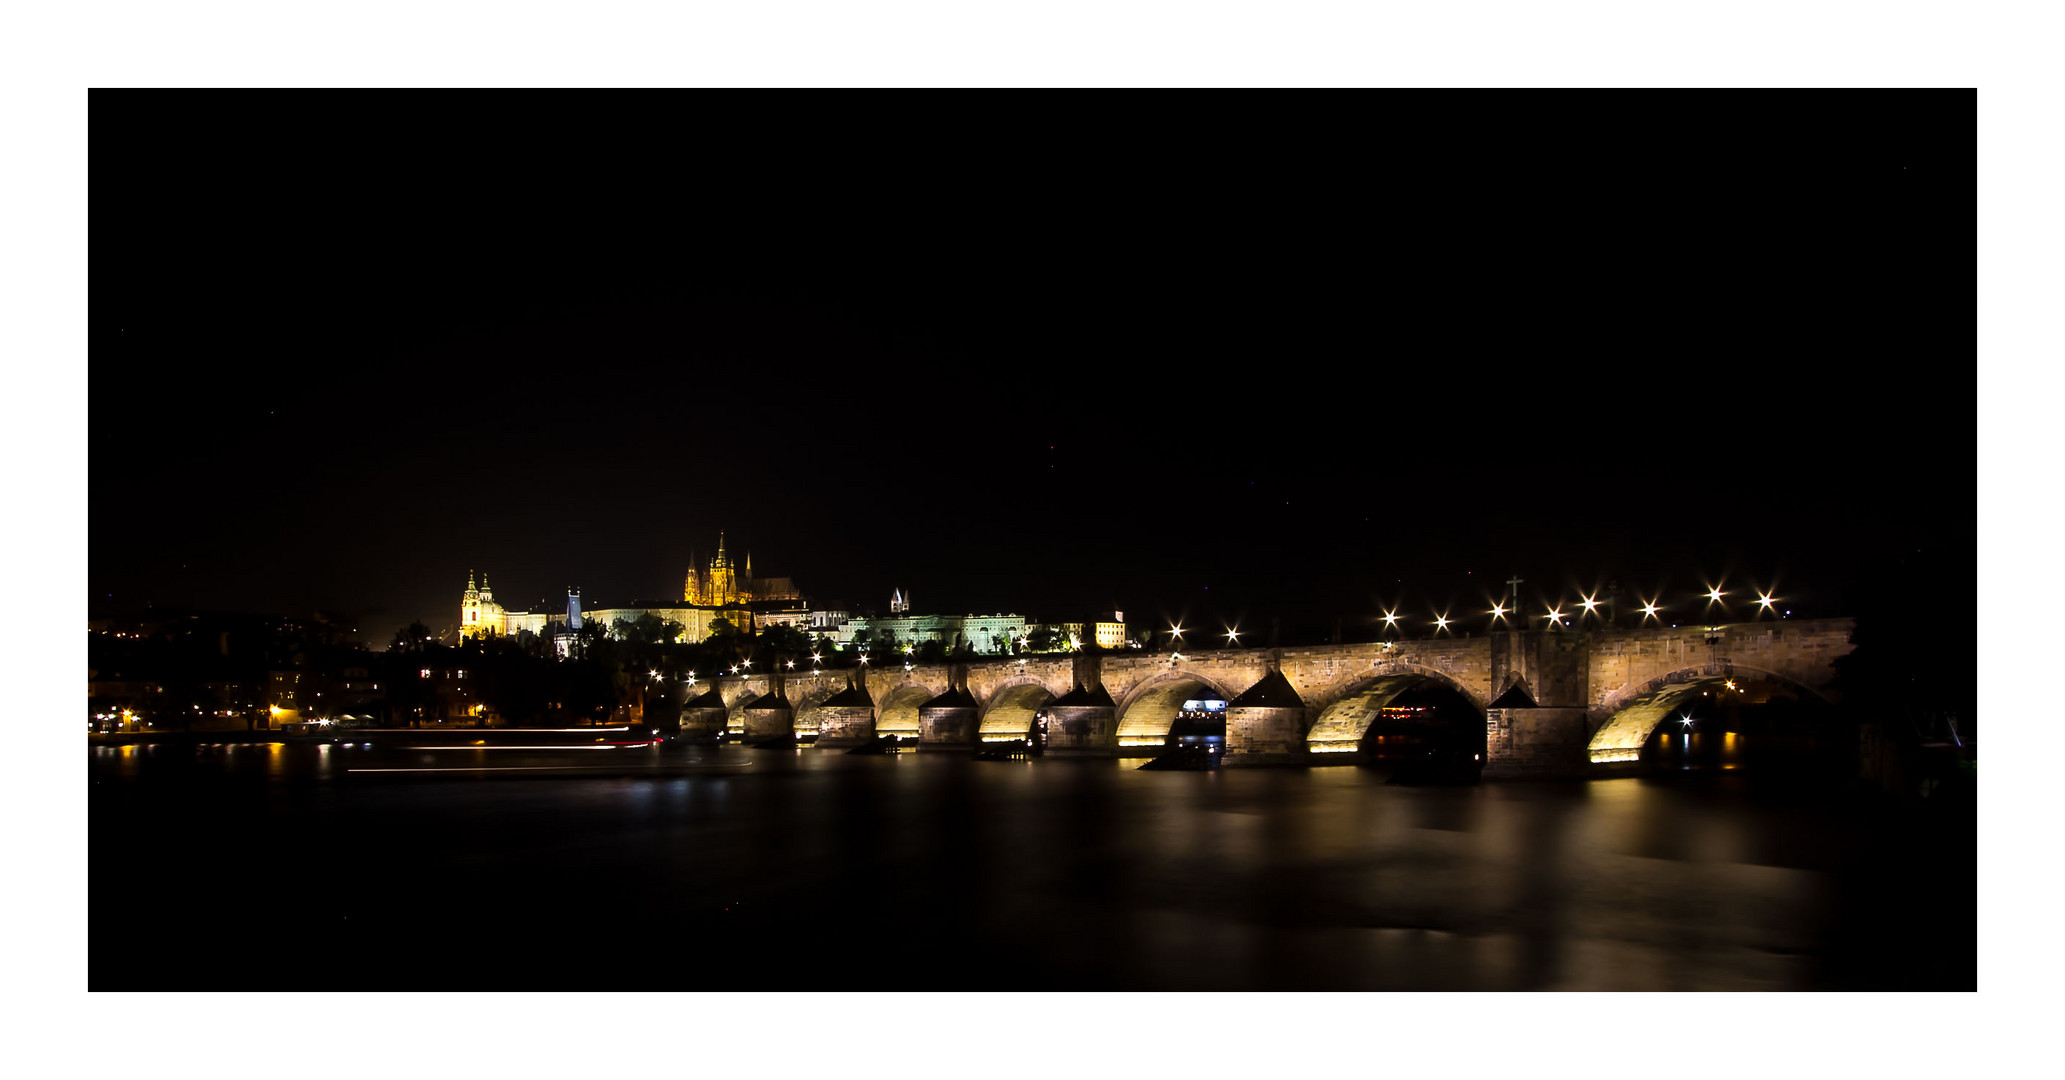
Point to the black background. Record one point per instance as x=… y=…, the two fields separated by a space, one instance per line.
x=1219 y=360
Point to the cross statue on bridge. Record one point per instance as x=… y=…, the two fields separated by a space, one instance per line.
x=1515 y=581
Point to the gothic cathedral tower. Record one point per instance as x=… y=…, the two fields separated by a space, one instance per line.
x=724 y=586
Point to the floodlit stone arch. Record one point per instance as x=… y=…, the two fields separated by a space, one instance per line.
x=735 y=708
x=1633 y=712
x=1150 y=708
x=807 y=696
x=896 y=713
x=1344 y=712
x=1011 y=708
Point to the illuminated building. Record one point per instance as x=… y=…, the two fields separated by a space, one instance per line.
x=981 y=633
x=1108 y=630
x=721 y=583
x=719 y=590
x=478 y=612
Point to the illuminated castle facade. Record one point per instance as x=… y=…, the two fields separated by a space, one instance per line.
x=719 y=591
x=721 y=583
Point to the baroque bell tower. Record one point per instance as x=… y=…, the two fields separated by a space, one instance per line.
x=469 y=608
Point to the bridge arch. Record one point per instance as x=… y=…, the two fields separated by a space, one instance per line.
x=1633 y=712
x=808 y=700
x=1342 y=713
x=735 y=708
x=1011 y=707
x=896 y=712
x=1150 y=707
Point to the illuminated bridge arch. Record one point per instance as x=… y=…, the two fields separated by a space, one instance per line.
x=896 y=712
x=1150 y=708
x=735 y=703
x=1633 y=712
x=1011 y=707
x=1343 y=713
x=809 y=699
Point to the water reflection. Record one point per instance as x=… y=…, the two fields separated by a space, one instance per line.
x=760 y=869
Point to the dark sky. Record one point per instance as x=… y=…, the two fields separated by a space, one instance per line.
x=1206 y=362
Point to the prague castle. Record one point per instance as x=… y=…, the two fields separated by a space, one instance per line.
x=719 y=591
x=722 y=590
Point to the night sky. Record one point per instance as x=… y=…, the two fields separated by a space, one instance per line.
x=1218 y=365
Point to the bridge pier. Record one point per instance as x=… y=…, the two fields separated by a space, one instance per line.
x=1536 y=741
x=703 y=715
x=769 y=716
x=948 y=721
x=1082 y=723
x=1265 y=725
x=847 y=718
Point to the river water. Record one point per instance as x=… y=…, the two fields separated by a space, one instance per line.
x=293 y=866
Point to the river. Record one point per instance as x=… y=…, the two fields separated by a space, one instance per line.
x=293 y=866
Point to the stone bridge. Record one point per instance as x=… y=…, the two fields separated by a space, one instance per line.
x=1553 y=702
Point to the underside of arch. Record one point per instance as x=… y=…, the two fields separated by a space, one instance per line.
x=1011 y=712
x=1342 y=725
x=807 y=721
x=735 y=717
x=898 y=713
x=1627 y=730
x=1152 y=713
